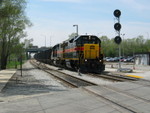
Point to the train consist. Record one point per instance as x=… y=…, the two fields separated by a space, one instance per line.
x=79 y=53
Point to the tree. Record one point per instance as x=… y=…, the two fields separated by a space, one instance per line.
x=147 y=44
x=108 y=46
x=72 y=35
x=12 y=23
x=28 y=43
x=105 y=44
x=129 y=46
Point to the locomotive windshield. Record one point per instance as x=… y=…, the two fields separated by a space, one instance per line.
x=88 y=40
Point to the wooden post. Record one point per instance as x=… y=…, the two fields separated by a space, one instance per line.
x=21 y=64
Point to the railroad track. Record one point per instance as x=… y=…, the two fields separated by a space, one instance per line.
x=142 y=82
x=107 y=76
x=124 y=108
x=72 y=81
x=122 y=78
x=114 y=77
x=110 y=94
x=102 y=92
x=128 y=94
x=127 y=78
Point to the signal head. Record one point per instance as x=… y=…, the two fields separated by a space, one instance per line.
x=118 y=39
x=117 y=26
x=117 y=13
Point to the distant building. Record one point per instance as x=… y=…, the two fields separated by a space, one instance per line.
x=142 y=59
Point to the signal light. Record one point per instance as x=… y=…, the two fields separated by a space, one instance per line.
x=117 y=13
x=118 y=39
x=117 y=26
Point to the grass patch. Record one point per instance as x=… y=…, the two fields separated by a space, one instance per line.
x=12 y=64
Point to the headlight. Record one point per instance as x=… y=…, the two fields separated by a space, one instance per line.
x=85 y=60
x=100 y=60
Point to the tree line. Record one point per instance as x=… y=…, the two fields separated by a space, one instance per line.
x=13 y=22
x=129 y=47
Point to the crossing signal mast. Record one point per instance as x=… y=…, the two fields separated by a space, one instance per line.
x=117 y=27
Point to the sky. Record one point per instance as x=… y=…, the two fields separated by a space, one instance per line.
x=53 y=20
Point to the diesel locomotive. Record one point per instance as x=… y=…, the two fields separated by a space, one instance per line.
x=82 y=53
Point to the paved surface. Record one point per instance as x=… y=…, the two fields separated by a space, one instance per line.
x=140 y=71
x=5 y=75
x=121 y=97
x=118 y=98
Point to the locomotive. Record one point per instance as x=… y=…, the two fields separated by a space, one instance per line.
x=82 y=53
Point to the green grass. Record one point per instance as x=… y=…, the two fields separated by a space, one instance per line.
x=12 y=64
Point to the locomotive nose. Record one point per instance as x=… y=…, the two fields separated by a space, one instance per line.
x=93 y=65
x=91 y=51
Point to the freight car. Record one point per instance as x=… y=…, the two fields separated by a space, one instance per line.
x=82 y=52
x=44 y=56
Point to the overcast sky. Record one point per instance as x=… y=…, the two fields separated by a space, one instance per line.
x=54 y=19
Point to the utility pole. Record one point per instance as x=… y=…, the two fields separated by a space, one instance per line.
x=123 y=44
x=76 y=28
x=21 y=64
x=50 y=41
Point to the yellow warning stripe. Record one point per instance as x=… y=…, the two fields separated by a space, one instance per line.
x=134 y=76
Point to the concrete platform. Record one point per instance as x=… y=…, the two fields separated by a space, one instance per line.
x=123 y=97
x=144 y=74
x=131 y=96
x=5 y=75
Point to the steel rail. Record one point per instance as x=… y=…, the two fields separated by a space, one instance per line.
x=69 y=79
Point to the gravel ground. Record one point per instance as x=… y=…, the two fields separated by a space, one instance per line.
x=37 y=82
x=97 y=80
x=33 y=82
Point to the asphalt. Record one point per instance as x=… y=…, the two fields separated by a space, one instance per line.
x=120 y=97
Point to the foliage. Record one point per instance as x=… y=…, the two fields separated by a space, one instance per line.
x=128 y=46
x=13 y=64
x=72 y=35
x=13 y=21
x=28 y=43
x=14 y=61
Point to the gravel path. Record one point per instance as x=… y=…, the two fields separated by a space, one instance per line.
x=33 y=82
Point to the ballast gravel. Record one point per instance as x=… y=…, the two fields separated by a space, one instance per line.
x=33 y=82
